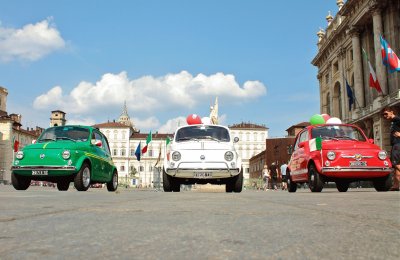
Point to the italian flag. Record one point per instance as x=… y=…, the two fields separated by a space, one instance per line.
x=373 y=80
x=315 y=144
x=148 y=140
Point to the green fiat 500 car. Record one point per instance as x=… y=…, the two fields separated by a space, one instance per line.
x=65 y=154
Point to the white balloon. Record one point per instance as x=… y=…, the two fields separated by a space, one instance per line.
x=206 y=120
x=334 y=120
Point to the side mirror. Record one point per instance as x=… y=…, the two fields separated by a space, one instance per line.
x=34 y=141
x=371 y=141
x=236 y=139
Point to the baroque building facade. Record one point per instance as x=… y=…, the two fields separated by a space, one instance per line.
x=356 y=29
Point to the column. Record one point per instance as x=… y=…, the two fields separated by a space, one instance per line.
x=380 y=68
x=343 y=101
x=358 y=73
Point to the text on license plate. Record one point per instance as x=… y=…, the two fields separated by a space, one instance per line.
x=39 y=172
x=202 y=175
x=357 y=163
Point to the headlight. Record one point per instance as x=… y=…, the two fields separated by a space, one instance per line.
x=66 y=154
x=382 y=155
x=229 y=156
x=20 y=155
x=176 y=156
x=331 y=155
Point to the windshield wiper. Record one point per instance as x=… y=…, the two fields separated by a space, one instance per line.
x=187 y=139
x=65 y=138
x=46 y=140
x=344 y=137
x=212 y=138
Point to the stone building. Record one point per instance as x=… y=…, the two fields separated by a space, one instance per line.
x=57 y=118
x=356 y=28
x=12 y=137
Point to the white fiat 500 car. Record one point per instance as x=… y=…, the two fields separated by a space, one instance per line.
x=203 y=154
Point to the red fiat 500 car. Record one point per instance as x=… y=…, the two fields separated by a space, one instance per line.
x=339 y=153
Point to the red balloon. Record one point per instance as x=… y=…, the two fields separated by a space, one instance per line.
x=193 y=119
x=326 y=117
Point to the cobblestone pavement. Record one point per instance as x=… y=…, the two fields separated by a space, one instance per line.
x=43 y=223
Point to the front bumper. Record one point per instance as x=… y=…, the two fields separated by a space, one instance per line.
x=195 y=170
x=356 y=172
x=52 y=171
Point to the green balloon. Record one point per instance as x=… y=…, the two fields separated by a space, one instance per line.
x=317 y=119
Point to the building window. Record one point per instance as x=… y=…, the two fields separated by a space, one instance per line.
x=335 y=67
x=122 y=168
x=132 y=152
x=115 y=152
x=150 y=153
x=141 y=168
x=123 y=152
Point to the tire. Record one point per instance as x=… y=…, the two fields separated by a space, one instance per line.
x=291 y=185
x=63 y=185
x=342 y=186
x=169 y=184
x=383 y=184
x=315 y=181
x=20 y=182
x=235 y=184
x=112 y=185
x=82 y=178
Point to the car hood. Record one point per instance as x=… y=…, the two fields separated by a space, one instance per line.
x=206 y=145
x=56 y=145
x=347 y=144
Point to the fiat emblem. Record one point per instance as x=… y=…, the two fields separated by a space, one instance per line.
x=358 y=156
x=202 y=157
x=42 y=156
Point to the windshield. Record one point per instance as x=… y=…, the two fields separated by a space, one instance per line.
x=197 y=132
x=72 y=133
x=337 y=132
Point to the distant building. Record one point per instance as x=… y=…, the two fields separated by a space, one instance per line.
x=57 y=118
x=12 y=136
x=251 y=142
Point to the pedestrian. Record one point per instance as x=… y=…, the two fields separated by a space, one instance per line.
x=389 y=114
x=274 y=175
x=283 y=174
x=266 y=176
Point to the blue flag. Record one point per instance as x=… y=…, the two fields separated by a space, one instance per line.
x=350 y=95
x=138 y=152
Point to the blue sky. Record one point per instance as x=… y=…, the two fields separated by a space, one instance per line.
x=166 y=59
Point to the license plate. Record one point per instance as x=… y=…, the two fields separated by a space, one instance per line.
x=40 y=172
x=357 y=164
x=202 y=175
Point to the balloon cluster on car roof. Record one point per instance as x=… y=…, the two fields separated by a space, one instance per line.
x=319 y=119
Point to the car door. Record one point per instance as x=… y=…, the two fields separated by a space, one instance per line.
x=298 y=162
x=98 y=157
x=108 y=163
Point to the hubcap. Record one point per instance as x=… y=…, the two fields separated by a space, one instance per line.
x=86 y=177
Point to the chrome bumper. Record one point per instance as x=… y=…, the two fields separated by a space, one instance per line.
x=189 y=172
x=355 y=169
x=43 y=168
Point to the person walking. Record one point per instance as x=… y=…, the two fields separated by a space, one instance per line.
x=283 y=175
x=274 y=175
x=266 y=177
x=389 y=114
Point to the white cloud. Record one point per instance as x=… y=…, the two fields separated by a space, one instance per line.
x=171 y=125
x=81 y=121
x=31 y=42
x=148 y=123
x=149 y=94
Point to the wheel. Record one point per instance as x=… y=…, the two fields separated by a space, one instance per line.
x=315 y=181
x=20 y=182
x=235 y=184
x=291 y=185
x=166 y=182
x=342 y=186
x=112 y=185
x=63 y=185
x=383 y=184
x=82 y=178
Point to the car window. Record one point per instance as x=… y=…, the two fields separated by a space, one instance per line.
x=197 y=132
x=304 y=136
x=105 y=145
x=338 y=132
x=97 y=136
x=72 y=133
